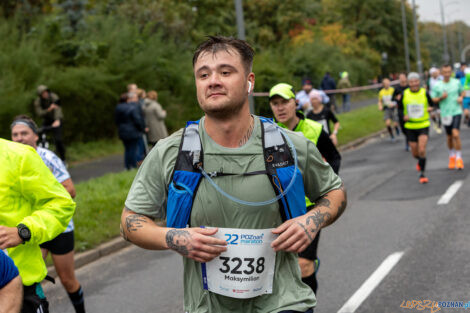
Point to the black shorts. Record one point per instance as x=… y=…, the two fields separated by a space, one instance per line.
x=34 y=300
x=62 y=244
x=413 y=134
x=454 y=125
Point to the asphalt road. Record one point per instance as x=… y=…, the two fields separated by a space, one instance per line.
x=388 y=212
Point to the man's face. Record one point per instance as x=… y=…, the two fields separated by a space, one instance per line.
x=386 y=83
x=221 y=83
x=447 y=72
x=132 y=88
x=414 y=84
x=307 y=87
x=435 y=74
x=403 y=80
x=24 y=134
x=283 y=109
x=45 y=94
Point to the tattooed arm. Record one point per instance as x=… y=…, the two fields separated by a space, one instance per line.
x=195 y=243
x=296 y=234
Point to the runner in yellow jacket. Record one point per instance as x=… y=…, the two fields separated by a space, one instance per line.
x=34 y=208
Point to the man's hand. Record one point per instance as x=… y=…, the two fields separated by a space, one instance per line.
x=381 y=107
x=406 y=118
x=444 y=95
x=196 y=243
x=52 y=107
x=9 y=237
x=460 y=100
x=295 y=235
x=56 y=123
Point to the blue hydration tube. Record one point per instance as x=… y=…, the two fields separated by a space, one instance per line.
x=266 y=202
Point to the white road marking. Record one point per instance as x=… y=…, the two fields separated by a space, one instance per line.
x=369 y=285
x=451 y=191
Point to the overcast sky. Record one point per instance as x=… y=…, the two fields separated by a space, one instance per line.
x=429 y=10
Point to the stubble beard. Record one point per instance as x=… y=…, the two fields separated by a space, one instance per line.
x=223 y=111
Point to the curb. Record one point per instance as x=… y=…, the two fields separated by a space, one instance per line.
x=361 y=141
x=114 y=245
x=104 y=249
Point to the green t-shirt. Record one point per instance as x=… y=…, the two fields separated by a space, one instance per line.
x=148 y=196
x=449 y=106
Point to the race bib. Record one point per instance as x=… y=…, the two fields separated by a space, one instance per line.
x=387 y=100
x=415 y=110
x=446 y=120
x=246 y=269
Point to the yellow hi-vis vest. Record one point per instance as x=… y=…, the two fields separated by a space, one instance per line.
x=415 y=105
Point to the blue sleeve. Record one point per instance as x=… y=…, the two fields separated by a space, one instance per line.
x=8 y=270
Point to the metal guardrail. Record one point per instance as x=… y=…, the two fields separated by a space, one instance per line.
x=334 y=91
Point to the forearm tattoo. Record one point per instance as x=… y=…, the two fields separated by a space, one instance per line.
x=123 y=233
x=179 y=240
x=135 y=221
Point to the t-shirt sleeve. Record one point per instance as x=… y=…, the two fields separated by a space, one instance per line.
x=332 y=117
x=8 y=270
x=148 y=193
x=318 y=175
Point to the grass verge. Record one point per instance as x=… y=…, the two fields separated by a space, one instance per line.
x=83 y=151
x=359 y=123
x=99 y=205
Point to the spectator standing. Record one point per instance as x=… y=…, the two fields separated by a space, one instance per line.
x=130 y=128
x=47 y=106
x=143 y=145
x=343 y=84
x=154 y=118
x=328 y=83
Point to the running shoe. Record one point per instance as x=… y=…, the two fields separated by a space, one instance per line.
x=451 y=163
x=418 y=168
x=423 y=180
x=459 y=163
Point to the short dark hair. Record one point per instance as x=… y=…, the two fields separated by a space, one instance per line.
x=446 y=65
x=215 y=44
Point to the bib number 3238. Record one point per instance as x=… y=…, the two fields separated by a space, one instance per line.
x=246 y=269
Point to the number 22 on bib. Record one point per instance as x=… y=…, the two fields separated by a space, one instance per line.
x=246 y=269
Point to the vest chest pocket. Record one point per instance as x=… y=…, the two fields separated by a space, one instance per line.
x=180 y=197
x=415 y=111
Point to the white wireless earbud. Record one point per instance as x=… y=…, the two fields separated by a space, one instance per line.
x=249 y=87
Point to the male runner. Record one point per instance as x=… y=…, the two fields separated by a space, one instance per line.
x=24 y=130
x=403 y=84
x=466 y=99
x=34 y=208
x=282 y=102
x=416 y=104
x=234 y=154
x=449 y=94
x=389 y=107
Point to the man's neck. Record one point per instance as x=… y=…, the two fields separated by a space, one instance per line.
x=233 y=132
x=446 y=79
x=292 y=122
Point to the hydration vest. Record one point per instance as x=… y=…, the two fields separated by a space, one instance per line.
x=187 y=174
